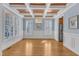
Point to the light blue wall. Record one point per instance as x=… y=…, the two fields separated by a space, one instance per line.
x=53 y=23
x=71 y=12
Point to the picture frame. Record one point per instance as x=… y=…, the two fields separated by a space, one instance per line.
x=74 y=22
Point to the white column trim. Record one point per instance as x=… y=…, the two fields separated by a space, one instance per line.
x=46 y=9
x=28 y=7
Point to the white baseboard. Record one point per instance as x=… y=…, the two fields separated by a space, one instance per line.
x=6 y=45
x=71 y=49
x=38 y=37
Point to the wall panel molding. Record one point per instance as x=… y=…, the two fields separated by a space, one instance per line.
x=71 y=41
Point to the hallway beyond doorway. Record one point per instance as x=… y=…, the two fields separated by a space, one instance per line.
x=37 y=47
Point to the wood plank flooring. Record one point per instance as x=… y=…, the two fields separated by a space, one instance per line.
x=38 y=47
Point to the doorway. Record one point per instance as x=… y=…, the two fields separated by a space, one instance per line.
x=60 y=34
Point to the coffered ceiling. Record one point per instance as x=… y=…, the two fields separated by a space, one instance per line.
x=38 y=10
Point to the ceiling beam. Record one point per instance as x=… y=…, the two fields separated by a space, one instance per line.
x=51 y=14
x=68 y=6
x=29 y=9
x=38 y=14
x=19 y=7
x=58 y=8
x=46 y=9
x=23 y=7
x=51 y=7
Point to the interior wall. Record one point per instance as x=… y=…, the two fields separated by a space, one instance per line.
x=5 y=43
x=43 y=33
x=28 y=27
x=56 y=29
x=71 y=36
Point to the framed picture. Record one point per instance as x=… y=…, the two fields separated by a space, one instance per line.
x=74 y=22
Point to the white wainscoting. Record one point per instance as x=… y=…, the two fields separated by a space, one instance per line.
x=71 y=41
x=39 y=34
x=5 y=44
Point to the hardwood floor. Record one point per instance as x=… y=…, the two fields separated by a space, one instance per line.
x=38 y=47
